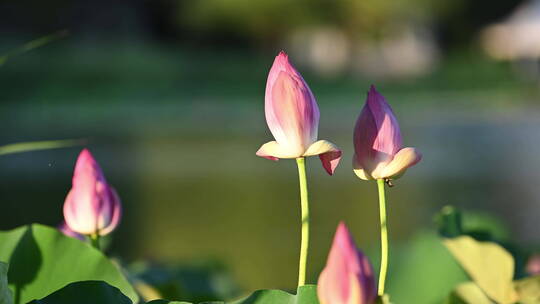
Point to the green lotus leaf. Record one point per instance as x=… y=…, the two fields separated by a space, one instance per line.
x=87 y=292
x=306 y=294
x=5 y=294
x=91 y=292
x=489 y=265
x=42 y=260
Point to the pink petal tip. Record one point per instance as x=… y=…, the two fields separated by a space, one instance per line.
x=330 y=161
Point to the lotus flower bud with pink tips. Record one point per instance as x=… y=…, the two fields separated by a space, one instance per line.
x=92 y=207
x=379 y=153
x=348 y=276
x=292 y=115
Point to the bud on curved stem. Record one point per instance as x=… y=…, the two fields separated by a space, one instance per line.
x=292 y=115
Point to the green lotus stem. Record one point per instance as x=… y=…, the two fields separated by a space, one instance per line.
x=94 y=238
x=384 y=237
x=305 y=221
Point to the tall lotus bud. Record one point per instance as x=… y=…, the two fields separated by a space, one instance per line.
x=91 y=206
x=292 y=116
x=379 y=153
x=348 y=277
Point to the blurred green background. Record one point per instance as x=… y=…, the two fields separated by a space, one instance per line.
x=169 y=95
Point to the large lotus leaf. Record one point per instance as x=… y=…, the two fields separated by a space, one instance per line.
x=489 y=265
x=307 y=294
x=42 y=260
x=87 y=292
x=92 y=292
x=528 y=290
x=5 y=293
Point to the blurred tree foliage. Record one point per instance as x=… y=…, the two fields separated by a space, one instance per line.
x=261 y=20
x=266 y=21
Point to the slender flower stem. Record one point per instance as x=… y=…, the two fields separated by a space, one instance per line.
x=305 y=220
x=94 y=238
x=384 y=237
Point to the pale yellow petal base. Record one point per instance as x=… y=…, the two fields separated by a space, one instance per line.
x=328 y=153
x=272 y=150
x=404 y=159
x=394 y=169
x=359 y=171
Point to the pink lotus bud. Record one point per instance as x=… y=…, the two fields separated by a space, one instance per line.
x=64 y=228
x=348 y=276
x=292 y=115
x=377 y=142
x=91 y=206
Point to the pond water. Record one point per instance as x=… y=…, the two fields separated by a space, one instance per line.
x=192 y=187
